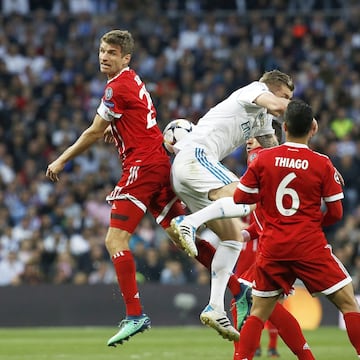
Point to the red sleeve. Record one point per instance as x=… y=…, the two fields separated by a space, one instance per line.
x=247 y=191
x=333 y=213
x=243 y=197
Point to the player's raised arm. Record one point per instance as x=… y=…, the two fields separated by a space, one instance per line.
x=281 y=88
x=274 y=104
x=89 y=136
x=267 y=141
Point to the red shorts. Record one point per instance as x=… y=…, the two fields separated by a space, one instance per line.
x=321 y=274
x=248 y=275
x=247 y=257
x=141 y=189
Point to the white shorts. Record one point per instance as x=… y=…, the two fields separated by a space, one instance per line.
x=194 y=173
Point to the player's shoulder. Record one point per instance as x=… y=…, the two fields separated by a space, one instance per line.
x=321 y=155
x=253 y=86
x=123 y=81
x=263 y=155
x=318 y=158
x=260 y=151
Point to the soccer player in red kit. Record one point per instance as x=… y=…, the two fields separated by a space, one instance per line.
x=286 y=325
x=127 y=117
x=290 y=182
x=244 y=263
x=247 y=258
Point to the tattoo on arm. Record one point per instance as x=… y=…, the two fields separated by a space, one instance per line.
x=267 y=141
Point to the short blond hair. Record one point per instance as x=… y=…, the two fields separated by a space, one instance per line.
x=277 y=78
x=122 y=38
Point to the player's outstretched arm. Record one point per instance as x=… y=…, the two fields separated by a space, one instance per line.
x=274 y=104
x=89 y=136
x=267 y=141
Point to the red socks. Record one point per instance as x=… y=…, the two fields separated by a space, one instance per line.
x=290 y=331
x=250 y=338
x=273 y=334
x=125 y=269
x=352 y=323
x=205 y=253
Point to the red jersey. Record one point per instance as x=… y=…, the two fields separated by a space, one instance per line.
x=127 y=105
x=250 y=248
x=290 y=181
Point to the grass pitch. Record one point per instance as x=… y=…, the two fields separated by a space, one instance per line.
x=171 y=343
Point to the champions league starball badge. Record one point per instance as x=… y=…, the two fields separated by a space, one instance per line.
x=108 y=93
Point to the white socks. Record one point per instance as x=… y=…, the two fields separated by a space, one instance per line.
x=222 y=267
x=219 y=209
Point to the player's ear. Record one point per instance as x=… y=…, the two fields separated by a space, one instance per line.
x=127 y=58
x=314 y=127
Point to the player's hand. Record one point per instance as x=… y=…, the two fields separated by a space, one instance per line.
x=53 y=170
x=108 y=136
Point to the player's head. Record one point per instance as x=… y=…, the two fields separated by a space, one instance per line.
x=279 y=83
x=298 y=118
x=116 y=48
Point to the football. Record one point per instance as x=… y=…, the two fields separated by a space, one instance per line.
x=174 y=131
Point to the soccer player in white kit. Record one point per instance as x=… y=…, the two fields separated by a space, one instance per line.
x=199 y=178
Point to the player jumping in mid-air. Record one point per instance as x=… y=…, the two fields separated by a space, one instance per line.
x=285 y=324
x=126 y=116
x=199 y=178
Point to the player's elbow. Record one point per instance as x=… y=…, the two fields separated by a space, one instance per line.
x=338 y=215
x=93 y=134
x=333 y=214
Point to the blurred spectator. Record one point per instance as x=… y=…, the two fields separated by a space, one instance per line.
x=11 y=269
x=32 y=274
x=100 y=270
x=172 y=273
x=151 y=266
x=356 y=272
x=341 y=125
x=197 y=56
x=64 y=269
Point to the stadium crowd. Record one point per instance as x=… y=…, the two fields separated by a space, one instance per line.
x=191 y=54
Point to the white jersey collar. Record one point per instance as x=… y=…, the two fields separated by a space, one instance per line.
x=297 y=145
x=124 y=69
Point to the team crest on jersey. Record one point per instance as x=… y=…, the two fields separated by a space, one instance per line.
x=337 y=178
x=261 y=119
x=252 y=156
x=108 y=93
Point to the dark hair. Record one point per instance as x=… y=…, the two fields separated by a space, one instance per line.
x=298 y=118
x=122 y=38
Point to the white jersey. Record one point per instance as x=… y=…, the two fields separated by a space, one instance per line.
x=229 y=124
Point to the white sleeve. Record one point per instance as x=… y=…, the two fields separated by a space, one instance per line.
x=250 y=92
x=266 y=127
x=106 y=113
